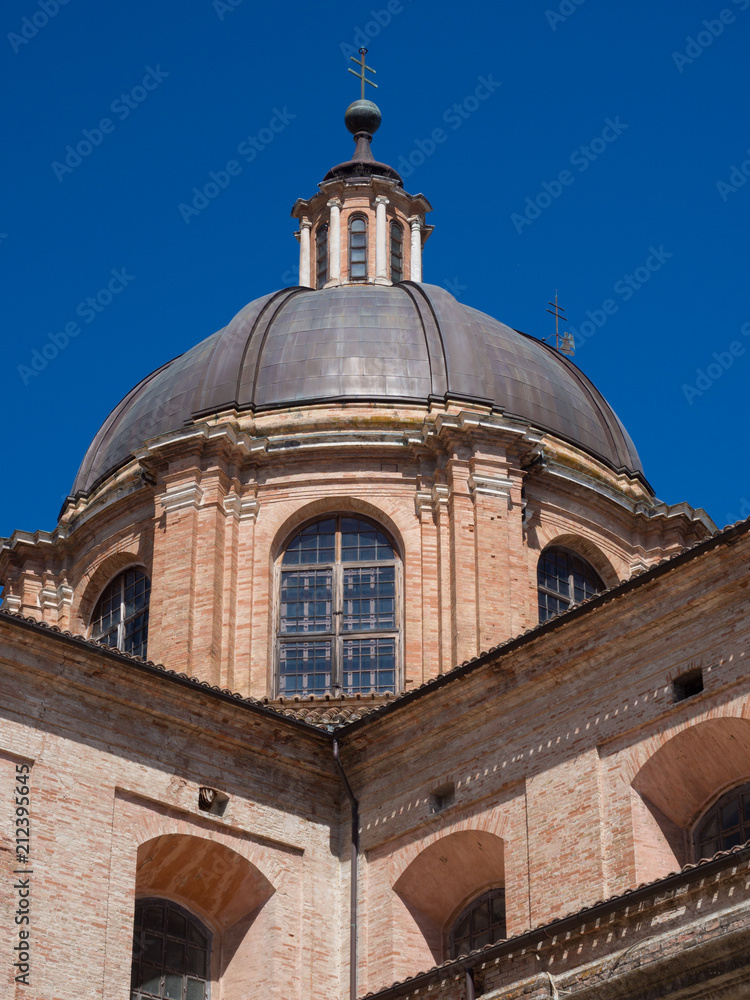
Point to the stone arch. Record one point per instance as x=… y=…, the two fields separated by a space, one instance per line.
x=343 y=504
x=444 y=877
x=207 y=877
x=91 y=587
x=588 y=550
x=676 y=784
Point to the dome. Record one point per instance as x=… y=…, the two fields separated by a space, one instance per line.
x=405 y=343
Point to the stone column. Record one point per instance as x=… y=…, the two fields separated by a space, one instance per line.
x=381 y=238
x=416 y=248
x=304 y=253
x=334 y=241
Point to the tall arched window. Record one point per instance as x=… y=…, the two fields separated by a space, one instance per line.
x=397 y=252
x=481 y=923
x=357 y=248
x=120 y=618
x=171 y=953
x=321 y=256
x=563 y=579
x=725 y=824
x=339 y=610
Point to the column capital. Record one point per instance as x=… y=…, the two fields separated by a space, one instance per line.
x=382 y=200
x=334 y=203
x=305 y=224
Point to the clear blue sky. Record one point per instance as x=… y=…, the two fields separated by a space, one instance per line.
x=184 y=83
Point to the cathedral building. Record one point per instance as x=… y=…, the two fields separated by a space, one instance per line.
x=364 y=661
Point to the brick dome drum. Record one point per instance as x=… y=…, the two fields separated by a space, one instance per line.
x=406 y=343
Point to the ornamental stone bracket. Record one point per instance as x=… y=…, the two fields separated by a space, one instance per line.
x=243 y=508
x=180 y=497
x=12 y=603
x=496 y=486
x=427 y=502
x=48 y=598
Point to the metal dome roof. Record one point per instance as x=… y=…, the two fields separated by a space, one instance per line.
x=407 y=342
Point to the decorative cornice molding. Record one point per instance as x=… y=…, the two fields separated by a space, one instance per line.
x=497 y=486
x=179 y=497
x=244 y=508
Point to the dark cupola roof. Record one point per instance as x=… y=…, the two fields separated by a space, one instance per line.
x=408 y=343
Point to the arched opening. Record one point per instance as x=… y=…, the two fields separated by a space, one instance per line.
x=339 y=610
x=397 y=252
x=725 y=824
x=449 y=889
x=677 y=788
x=321 y=256
x=199 y=886
x=120 y=616
x=563 y=579
x=357 y=248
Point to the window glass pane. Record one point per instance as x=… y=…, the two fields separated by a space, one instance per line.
x=564 y=578
x=746 y=810
x=359 y=271
x=195 y=990
x=305 y=668
x=314 y=544
x=708 y=848
x=125 y=600
x=369 y=598
x=150 y=980
x=154 y=918
x=369 y=665
x=153 y=949
x=730 y=815
x=358 y=225
x=196 y=965
x=306 y=601
x=176 y=924
x=172 y=986
x=175 y=955
x=363 y=542
x=196 y=936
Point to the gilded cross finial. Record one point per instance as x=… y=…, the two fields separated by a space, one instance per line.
x=362 y=70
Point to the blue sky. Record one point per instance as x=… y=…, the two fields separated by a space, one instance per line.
x=605 y=160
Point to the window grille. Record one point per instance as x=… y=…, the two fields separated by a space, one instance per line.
x=725 y=824
x=397 y=253
x=321 y=256
x=480 y=924
x=563 y=579
x=120 y=618
x=358 y=248
x=338 y=610
x=171 y=953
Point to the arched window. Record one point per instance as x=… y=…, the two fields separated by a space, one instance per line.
x=171 y=953
x=563 y=578
x=321 y=256
x=725 y=824
x=120 y=617
x=357 y=248
x=397 y=252
x=481 y=923
x=338 y=616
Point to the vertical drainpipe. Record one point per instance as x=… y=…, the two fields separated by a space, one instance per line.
x=352 y=877
x=470 y=992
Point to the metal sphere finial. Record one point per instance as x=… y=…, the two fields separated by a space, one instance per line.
x=362 y=116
